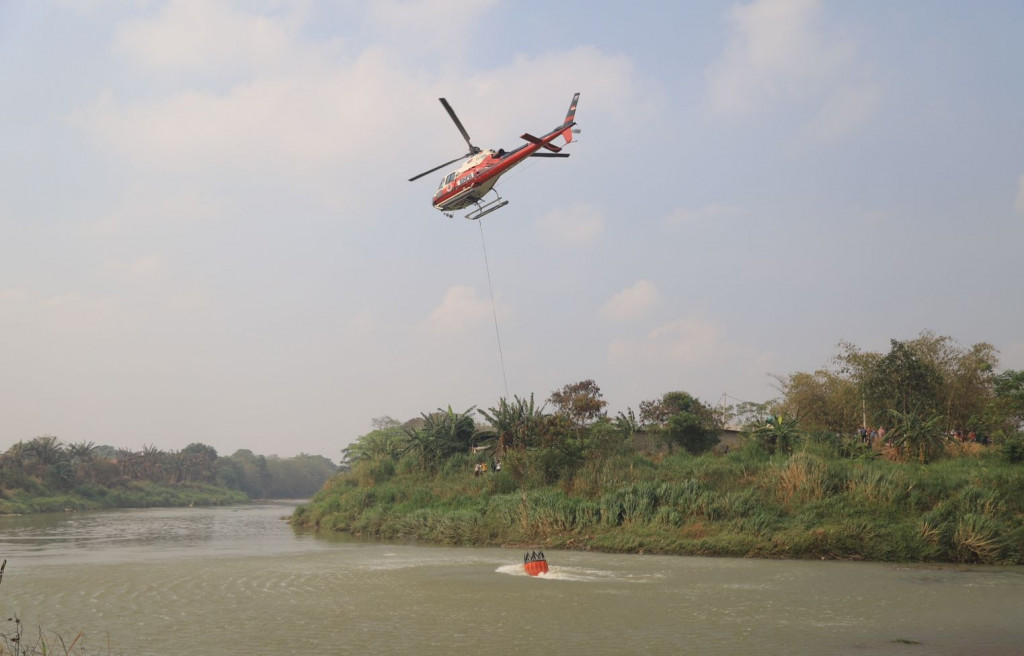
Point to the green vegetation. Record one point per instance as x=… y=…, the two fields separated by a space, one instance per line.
x=804 y=484
x=44 y=475
x=745 y=503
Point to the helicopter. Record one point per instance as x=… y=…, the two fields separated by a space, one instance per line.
x=471 y=182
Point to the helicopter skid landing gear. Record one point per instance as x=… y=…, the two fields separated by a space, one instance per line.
x=486 y=208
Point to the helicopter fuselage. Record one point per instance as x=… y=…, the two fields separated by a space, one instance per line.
x=474 y=179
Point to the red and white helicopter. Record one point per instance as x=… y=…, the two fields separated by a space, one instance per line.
x=468 y=184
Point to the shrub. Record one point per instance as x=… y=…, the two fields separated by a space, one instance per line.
x=1013 y=450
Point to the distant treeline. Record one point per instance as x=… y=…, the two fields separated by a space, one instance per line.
x=87 y=475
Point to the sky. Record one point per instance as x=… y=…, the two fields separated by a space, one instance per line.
x=207 y=233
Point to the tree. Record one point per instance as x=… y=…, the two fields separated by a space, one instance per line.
x=386 y=441
x=81 y=452
x=252 y=474
x=580 y=402
x=681 y=420
x=692 y=432
x=126 y=464
x=150 y=463
x=1008 y=389
x=825 y=400
x=200 y=462
x=778 y=434
x=930 y=374
x=443 y=434
x=518 y=424
x=42 y=453
x=627 y=425
x=176 y=466
x=924 y=439
x=902 y=380
x=46 y=458
x=297 y=477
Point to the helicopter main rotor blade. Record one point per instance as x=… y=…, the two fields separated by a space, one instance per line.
x=465 y=135
x=439 y=166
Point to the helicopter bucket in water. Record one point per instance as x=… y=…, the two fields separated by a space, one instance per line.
x=535 y=563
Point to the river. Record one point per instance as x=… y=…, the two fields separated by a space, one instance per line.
x=239 y=580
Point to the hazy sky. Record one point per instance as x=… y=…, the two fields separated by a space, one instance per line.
x=206 y=232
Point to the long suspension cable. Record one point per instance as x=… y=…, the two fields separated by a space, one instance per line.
x=494 y=311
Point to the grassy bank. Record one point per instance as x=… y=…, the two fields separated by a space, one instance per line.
x=140 y=494
x=965 y=509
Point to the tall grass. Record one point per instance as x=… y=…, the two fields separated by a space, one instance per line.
x=745 y=503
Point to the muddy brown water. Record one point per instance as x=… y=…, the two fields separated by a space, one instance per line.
x=239 y=580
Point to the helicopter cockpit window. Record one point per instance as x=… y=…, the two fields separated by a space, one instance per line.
x=450 y=177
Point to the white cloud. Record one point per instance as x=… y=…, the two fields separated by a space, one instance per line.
x=208 y=35
x=708 y=212
x=160 y=204
x=609 y=85
x=13 y=295
x=142 y=268
x=1019 y=203
x=687 y=340
x=273 y=123
x=429 y=24
x=778 y=54
x=576 y=225
x=774 y=51
x=460 y=309
x=843 y=111
x=631 y=303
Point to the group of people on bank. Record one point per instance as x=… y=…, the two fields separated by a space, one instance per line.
x=870 y=435
x=481 y=468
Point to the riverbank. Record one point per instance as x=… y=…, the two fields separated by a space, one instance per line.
x=139 y=494
x=959 y=510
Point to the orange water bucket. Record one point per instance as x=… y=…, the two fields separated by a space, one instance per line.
x=535 y=564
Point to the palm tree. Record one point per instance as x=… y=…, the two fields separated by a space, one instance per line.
x=128 y=464
x=517 y=424
x=174 y=466
x=924 y=439
x=377 y=445
x=150 y=463
x=44 y=452
x=12 y=466
x=627 y=425
x=81 y=452
x=443 y=434
x=82 y=455
x=778 y=434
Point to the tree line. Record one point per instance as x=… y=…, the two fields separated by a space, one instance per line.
x=924 y=391
x=524 y=435
x=46 y=463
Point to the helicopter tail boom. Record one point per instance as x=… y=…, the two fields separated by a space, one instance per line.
x=570 y=118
